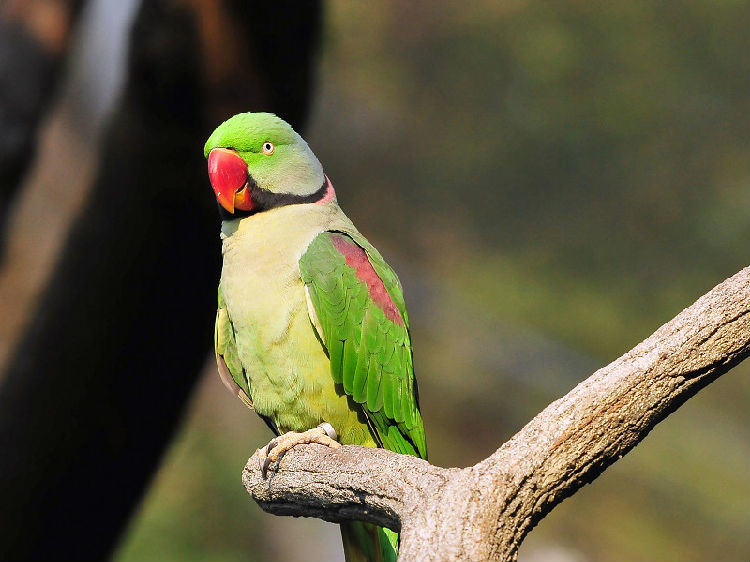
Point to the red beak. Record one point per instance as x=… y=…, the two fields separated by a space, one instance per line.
x=227 y=172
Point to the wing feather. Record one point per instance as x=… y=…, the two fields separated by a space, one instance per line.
x=230 y=367
x=356 y=299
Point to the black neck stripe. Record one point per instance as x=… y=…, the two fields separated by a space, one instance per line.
x=265 y=200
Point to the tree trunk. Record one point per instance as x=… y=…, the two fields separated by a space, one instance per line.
x=96 y=387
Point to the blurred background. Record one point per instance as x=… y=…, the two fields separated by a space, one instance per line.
x=551 y=180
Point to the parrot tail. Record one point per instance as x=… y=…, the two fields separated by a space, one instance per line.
x=365 y=542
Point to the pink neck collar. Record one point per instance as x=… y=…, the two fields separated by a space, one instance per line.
x=330 y=194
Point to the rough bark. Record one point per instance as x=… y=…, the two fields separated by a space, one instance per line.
x=483 y=512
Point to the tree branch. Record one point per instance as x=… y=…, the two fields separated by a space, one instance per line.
x=485 y=511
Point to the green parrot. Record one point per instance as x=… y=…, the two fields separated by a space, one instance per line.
x=311 y=328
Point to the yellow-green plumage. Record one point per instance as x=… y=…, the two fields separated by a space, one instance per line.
x=302 y=328
x=287 y=367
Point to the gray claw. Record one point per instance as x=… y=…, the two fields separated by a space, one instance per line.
x=271 y=444
x=264 y=468
x=328 y=428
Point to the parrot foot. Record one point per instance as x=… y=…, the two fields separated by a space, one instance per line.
x=324 y=434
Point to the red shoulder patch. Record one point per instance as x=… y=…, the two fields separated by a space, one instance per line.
x=356 y=258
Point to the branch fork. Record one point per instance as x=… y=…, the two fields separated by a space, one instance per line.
x=484 y=512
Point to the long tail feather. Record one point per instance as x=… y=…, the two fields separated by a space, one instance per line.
x=365 y=542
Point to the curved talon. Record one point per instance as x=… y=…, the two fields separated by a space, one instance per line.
x=271 y=444
x=264 y=466
x=324 y=434
x=328 y=428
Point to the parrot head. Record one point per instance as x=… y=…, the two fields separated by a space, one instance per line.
x=256 y=162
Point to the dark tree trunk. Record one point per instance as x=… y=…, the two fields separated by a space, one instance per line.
x=29 y=67
x=96 y=387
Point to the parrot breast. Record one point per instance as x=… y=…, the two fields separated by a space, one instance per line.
x=287 y=366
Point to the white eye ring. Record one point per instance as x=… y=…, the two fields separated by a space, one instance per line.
x=268 y=148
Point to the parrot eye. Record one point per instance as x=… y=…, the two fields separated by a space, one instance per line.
x=268 y=148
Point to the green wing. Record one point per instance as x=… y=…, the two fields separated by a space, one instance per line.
x=228 y=361
x=361 y=319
